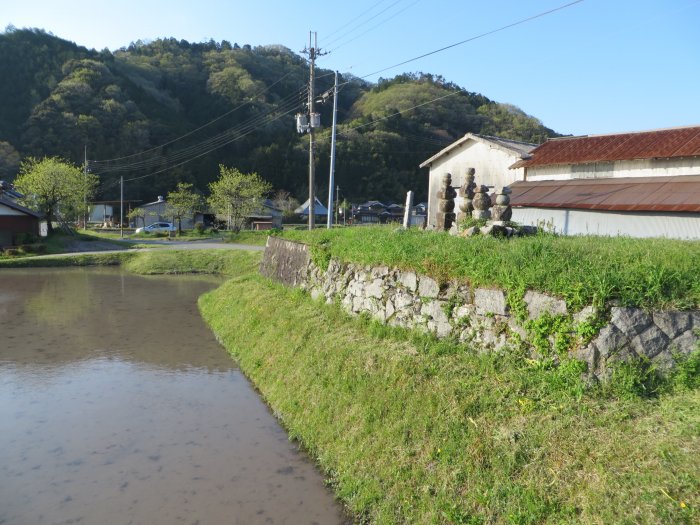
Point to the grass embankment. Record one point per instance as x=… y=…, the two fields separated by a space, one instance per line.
x=649 y=273
x=222 y=262
x=412 y=430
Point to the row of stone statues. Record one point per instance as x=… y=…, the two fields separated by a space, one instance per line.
x=476 y=202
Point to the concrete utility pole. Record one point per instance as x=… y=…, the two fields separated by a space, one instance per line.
x=332 y=174
x=312 y=169
x=85 y=172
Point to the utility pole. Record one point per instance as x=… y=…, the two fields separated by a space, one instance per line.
x=309 y=123
x=121 y=206
x=85 y=171
x=312 y=169
x=332 y=174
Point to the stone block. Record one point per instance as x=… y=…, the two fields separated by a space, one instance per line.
x=673 y=324
x=488 y=301
x=650 y=342
x=409 y=280
x=403 y=300
x=379 y=271
x=539 y=303
x=685 y=343
x=584 y=315
x=285 y=261
x=390 y=310
x=588 y=354
x=610 y=339
x=428 y=287
x=435 y=310
x=631 y=321
x=375 y=289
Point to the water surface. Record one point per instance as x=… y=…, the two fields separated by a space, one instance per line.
x=117 y=406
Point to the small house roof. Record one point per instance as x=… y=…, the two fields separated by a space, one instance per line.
x=516 y=148
x=319 y=209
x=13 y=205
x=664 y=194
x=661 y=143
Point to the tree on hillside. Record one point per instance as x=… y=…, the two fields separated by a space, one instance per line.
x=236 y=195
x=183 y=203
x=9 y=160
x=55 y=188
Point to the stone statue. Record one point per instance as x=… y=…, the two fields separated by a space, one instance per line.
x=482 y=203
x=467 y=193
x=446 y=203
x=502 y=210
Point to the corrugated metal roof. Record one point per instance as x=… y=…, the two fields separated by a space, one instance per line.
x=671 y=194
x=665 y=143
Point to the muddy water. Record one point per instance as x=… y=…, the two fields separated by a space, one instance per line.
x=117 y=406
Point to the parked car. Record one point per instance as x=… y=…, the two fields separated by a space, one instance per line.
x=157 y=227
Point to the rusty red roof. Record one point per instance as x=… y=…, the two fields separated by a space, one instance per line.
x=664 y=143
x=668 y=194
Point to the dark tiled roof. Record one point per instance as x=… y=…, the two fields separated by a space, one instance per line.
x=668 y=194
x=665 y=143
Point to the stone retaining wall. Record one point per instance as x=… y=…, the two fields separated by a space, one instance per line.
x=479 y=316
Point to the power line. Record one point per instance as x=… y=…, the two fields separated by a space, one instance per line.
x=288 y=103
x=375 y=26
x=482 y=35
x=362 y=23
x=200 y=154
x=261 y=92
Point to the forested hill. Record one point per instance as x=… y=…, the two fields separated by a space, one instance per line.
x=132 y=105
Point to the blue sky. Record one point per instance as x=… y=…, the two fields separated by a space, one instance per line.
x=599 y=66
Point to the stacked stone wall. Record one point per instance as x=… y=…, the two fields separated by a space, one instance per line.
x=479 y=316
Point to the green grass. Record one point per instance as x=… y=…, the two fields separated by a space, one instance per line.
x=89 y=259
x=222 y=262
x=648 y=273
x=413 y=430
x=255 y=238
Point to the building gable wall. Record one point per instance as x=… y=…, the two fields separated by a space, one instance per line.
x=491 y=163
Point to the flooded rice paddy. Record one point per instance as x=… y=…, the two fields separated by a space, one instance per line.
x=117 y=406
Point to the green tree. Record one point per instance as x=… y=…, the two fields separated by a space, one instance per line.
x=236 y=195
x=135 y=214
x=55 y=188
x=183 y=203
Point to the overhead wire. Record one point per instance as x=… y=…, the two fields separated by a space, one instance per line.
x=362 y=23
x=374 y=27
x=288 y=103
x=476 y=37
x=189 y=133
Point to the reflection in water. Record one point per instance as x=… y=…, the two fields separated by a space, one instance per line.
x=118 y=406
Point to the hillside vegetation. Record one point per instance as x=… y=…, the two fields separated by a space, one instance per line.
x=57 y=97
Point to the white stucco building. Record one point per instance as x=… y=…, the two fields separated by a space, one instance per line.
x=641 y=184
x=491 y=157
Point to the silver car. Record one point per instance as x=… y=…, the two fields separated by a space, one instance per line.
x=157 y=227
